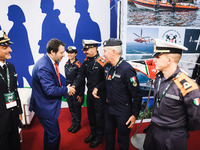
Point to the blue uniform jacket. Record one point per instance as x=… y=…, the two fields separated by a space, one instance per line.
x=122 y=88
x=46 y=91
x=179 y=107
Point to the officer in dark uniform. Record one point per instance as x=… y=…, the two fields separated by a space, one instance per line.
x=74 y=101
x=10 y=105
x=176 y=101
x=123 y=96
x=92 y=70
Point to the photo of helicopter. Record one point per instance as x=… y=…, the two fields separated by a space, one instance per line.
x=142 y=39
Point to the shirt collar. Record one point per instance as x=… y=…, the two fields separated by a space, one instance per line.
x=118 y=63
x=95 y=57
x=160 y=74
x=175 y=73
x=1 y=64
x=53 y=62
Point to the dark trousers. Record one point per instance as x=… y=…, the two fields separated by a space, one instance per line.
x=75 y=109
x=95 y=111
x=115 y=122
x=158 y=138
x=51 y=133
x=10 y=141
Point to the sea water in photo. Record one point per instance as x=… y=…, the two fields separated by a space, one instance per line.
x=137 y=16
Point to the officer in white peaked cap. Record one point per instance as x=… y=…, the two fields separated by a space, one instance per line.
x=92 y=69
x=176 y=108
x=162 y=46
x=90 y=44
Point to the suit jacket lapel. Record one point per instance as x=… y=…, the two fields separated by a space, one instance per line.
x=51 y=64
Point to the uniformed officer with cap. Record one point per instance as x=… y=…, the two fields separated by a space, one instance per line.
x=92 y=69
x=123 y=96
x=75 y=101
x=10 y=105
x=176 y=101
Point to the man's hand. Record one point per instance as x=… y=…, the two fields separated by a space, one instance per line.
x=80 y=98
x=20 y=117
x=131 y=120
x=71 y=90
x=94 y=93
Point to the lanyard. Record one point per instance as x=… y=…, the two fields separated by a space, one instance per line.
x=165 y=91
x=8 y=78
x=112 y=77
x=95 y=61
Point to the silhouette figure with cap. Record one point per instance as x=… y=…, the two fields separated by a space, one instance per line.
x=86 y=28
x=52 y=26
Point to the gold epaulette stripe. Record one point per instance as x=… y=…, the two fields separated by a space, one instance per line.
x=181 y=87
x=101 y=61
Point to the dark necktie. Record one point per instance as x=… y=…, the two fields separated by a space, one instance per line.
x=4 y=68
x=5 y=72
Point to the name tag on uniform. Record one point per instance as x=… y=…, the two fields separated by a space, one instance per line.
x=73 y=67
x=117 y=75
x=10 y=100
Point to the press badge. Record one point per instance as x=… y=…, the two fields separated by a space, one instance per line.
x=10 y=100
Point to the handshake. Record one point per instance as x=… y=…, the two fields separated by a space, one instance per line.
x=71 y=89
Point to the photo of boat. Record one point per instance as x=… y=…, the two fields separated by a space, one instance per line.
x=163 y=13
x=165 y=5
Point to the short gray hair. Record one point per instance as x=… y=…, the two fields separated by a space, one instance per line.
x=118 y=49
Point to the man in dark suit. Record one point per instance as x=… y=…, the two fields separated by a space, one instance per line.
x=10 y=105
x=47 y=92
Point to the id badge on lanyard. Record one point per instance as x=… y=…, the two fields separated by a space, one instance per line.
x=10 y=96
x=10 y=100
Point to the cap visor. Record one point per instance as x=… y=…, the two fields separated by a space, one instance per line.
x=156 y=54
x=85 y=49
x=6 y=43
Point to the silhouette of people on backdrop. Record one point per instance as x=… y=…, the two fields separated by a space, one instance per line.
x=21 y=55
x=52 y=27
x=86 y=28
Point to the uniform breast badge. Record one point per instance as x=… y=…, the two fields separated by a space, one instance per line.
x=133 y=81
x=196 y=101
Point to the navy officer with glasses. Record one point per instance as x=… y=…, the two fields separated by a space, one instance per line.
x=124 y=98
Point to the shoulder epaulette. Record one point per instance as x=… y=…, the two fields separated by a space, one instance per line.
x=101 y=61
x=185 y=84
x=85 y=59
x=78 y=63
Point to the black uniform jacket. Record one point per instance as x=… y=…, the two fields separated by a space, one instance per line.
x=122 y=89
x=179 y=107
x=91 y=69
x=71 y=72
x=9 y=118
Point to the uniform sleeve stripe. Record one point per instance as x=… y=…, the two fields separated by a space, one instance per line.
x=184 y=90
